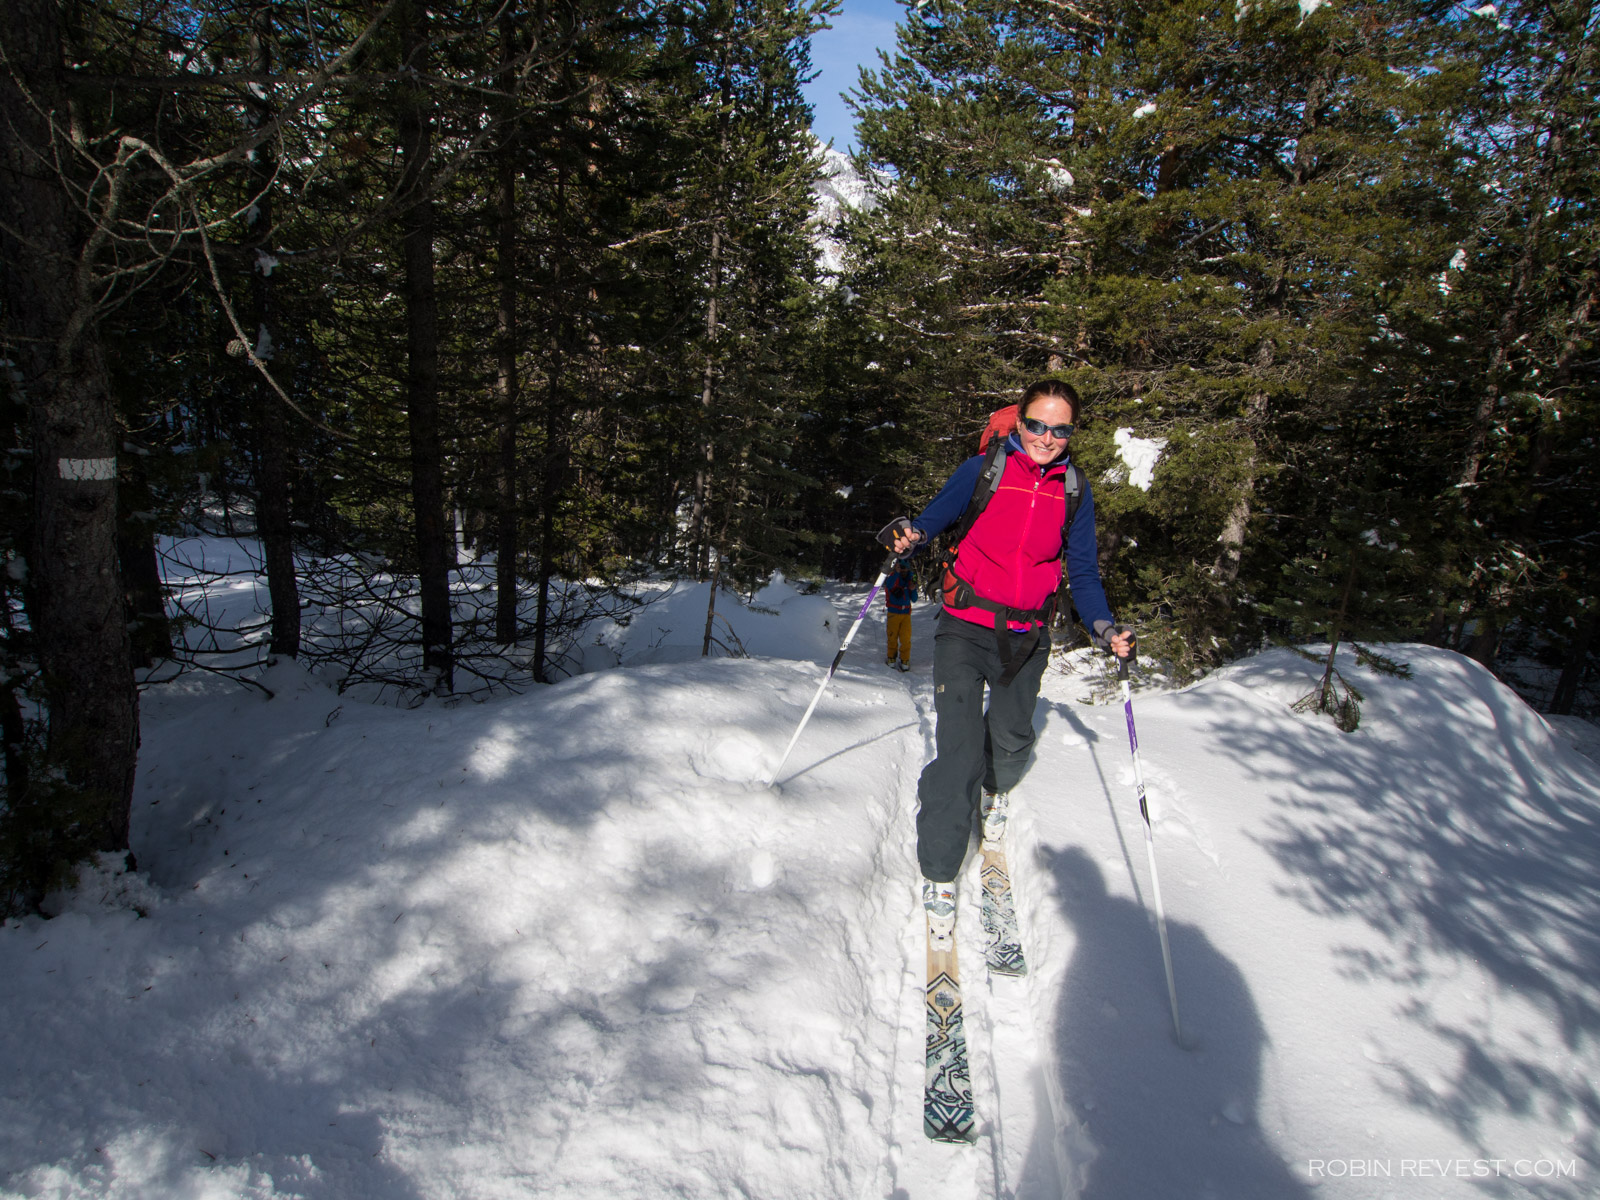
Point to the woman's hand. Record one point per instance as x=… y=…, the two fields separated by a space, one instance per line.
x=905 y=539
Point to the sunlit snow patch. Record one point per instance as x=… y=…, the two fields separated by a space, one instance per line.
x=1140 y=455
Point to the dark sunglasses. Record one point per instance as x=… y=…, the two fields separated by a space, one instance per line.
x=1039 y=429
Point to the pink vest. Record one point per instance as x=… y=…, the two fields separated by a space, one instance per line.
x=1012 y=555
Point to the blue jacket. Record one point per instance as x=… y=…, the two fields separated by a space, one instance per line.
x=899 y=590
x=1082 y=556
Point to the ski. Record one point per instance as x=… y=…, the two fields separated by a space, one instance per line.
x=1004 y=952
x=947 y=1114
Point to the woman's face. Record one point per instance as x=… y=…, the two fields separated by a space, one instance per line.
x=1044 y=448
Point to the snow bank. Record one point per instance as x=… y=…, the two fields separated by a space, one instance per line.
x=564 y=944
x=779 y=622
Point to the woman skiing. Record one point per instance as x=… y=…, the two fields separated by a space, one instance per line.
x=991 y=631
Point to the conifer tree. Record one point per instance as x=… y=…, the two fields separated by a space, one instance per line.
x=749 y=268
x=1521 y=290
x=1262 y=187
x=963 y=129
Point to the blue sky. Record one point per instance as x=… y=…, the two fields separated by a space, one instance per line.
x=859 y=31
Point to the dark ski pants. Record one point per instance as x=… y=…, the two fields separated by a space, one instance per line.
x=975 y=749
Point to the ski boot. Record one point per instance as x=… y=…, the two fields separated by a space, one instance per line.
x=996 y=808
x=939 y=904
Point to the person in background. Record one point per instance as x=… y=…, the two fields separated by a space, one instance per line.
x=992 y=629
x=899 y=594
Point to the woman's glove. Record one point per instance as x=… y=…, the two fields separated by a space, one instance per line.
x=1119 y=639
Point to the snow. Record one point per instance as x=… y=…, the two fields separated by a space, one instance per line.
x=672 y=627
x=1058 y=178
x=565 y=944
x=1139 y=456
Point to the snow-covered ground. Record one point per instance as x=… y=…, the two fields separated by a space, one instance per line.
x=565 y=944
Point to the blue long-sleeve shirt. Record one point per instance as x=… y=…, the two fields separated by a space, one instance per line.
x=1082 y=550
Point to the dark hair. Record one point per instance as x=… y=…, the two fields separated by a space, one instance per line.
x=1050 y=387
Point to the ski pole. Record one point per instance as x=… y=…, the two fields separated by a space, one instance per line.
x=1149 y=845
x=888 y=565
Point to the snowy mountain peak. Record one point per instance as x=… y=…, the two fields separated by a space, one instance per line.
x=840 y=188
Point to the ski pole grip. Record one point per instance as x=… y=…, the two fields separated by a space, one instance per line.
x=892 y=530
x=1122 y=666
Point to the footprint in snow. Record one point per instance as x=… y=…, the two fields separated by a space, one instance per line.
x=736 y=757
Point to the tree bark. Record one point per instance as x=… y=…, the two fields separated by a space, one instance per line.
x=1485 y=642
x=274 y=523
x=149 y=631
x=550 y=481
x=1231 y=540
x=422 y=356
x=1230 y=553
x=75 y=593
x=1326 y=701
x=1572 y=670
x=704 y=554
x=506 y=542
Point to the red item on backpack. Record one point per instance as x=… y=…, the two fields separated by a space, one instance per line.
x=1002 y=423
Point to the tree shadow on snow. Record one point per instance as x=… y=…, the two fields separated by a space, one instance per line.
x=415 y=997
x=1461 y=833
x=1165 y=1123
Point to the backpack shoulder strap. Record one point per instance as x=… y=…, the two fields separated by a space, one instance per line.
x=1074 y=485
x=994 y=466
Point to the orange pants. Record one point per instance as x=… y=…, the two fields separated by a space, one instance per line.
x=900 y=637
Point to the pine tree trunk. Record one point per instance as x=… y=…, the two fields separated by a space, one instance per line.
x=422 y=353
x=274 y=524
x=711 y=604
x=13 y=726
x=149 y=630
x=75 y=594
x=1231 y=540
x=1572 y=671
x=716 y=584
x=1433 y=635
x=699 y=513
x=1486 y=640
x=1225 y=567
x=13 y=730
x=506 y=541
x=1335 y=630
x=549 y=497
